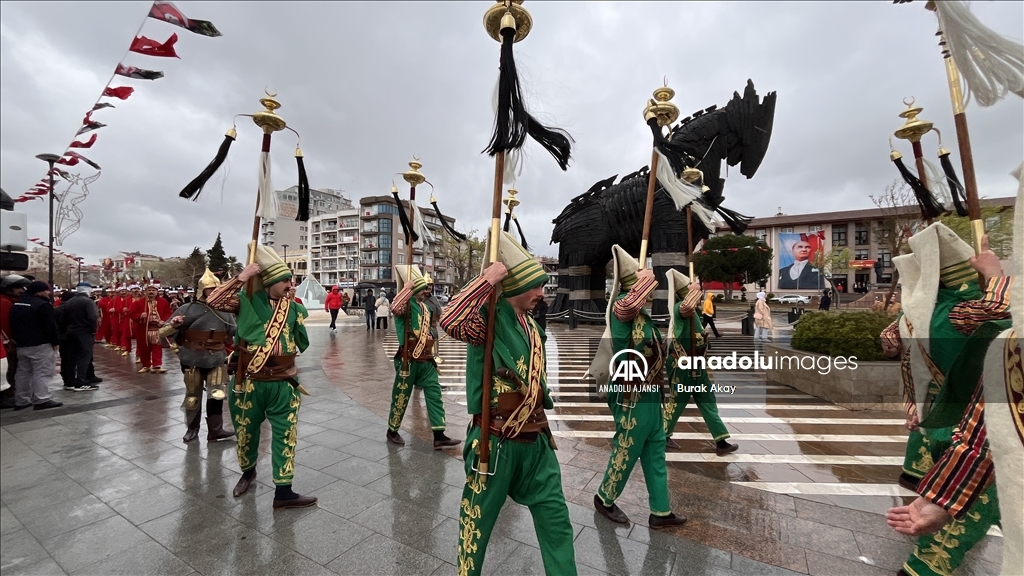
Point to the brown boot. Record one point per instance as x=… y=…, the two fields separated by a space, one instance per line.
x=215 y=428
x=193 y=429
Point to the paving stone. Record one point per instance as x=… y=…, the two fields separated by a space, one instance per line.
x=146 y=558
x=90 y=544
x=8 y=522
x=152 y=503
x=320 y=535
x=356 y=471
x=122 y=484
x=384 y=556
x=49 y=521
x=400 y=521
x=48 y=567
x=19 y=550
x=319 y=457
x=605 y=550
x=192 y=525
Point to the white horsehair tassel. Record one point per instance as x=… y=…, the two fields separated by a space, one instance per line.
x=937 y=183
x=268 y=198
x=991 y=64
x=683 y=193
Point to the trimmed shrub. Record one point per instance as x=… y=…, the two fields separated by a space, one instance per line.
x=842 y=334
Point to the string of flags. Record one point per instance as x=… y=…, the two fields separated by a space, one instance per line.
x=736 y=249
x=55 y=250
x=160 y=10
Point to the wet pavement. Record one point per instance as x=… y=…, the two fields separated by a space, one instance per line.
x=104 y=485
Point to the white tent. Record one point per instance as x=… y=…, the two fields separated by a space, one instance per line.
x=311 y=292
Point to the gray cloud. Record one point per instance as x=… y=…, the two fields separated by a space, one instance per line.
x=370 y=84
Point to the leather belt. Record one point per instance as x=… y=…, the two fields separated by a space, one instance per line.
x=536 y=423
x=277 y=368
x=205 y=340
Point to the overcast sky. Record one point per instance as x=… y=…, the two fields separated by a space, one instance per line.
x=370 y=84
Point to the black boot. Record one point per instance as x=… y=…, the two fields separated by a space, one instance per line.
x=284 y=497
x=193 y=428
x=215 y=422
x=442 y=441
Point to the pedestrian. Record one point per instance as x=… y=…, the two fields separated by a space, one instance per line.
x=369 y=310
x=148 y=315
x=34 y=328
x=345 y=299
x=762 y=318
x=707 y=313
x=826 y=301
x=540 y=314
x=383 y=310
x=11 y=289
x=77 y=323
x=332 y=304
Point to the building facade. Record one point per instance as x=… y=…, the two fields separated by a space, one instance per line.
x=334 y=248
x=796 y=240
x=285 y=234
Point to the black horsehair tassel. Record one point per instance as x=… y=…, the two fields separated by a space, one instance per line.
x=956 y=189
x=512 y=122
x=737 y=222
x=522 y=237
x=508 y=222
x=404 y=218
x=192 y=189
x=444 y=223
x=303 y=215
x=674 y=152
x=930 y=207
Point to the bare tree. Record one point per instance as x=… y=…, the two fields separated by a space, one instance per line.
x=835 y=261
x=465 y=257
x=901 y=218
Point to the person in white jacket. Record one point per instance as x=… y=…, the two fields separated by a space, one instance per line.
x=383 y=311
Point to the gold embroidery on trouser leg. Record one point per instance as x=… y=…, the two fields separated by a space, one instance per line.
x=620 y=457
x=291 y=437
x=399 y=405
x=241 y=423
x=471 y=512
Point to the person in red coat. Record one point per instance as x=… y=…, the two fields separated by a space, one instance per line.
x=102 y=304
x=332 y=304
x=148 y=315
x=135 y=292
x=116 y=314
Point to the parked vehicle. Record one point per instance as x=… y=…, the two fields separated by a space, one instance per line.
x=792 y=299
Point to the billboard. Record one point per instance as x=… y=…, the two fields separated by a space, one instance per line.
x=797 y=253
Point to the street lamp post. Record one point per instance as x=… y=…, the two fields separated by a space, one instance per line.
x=285 y=246
x=50 y=159
x=80 y=268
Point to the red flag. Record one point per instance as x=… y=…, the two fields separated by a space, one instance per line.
x=102 y=105
x=137 y=73
x=68 y=161
x=86 y=144
x=77 y=156
x=149 y=47
x=27 y=198
x=120 y=92
x=169 y=13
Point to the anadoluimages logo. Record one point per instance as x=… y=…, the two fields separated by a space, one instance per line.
x=628 y=369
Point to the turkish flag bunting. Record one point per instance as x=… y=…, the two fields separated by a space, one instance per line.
x=102 y=105
x=77 y=156
x=68 y=161
x=169 y=13
x=121 y=92
x=87 y=144
x=27 y=198
x=137 y=73
x=149 y=47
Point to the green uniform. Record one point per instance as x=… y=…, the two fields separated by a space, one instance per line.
x=528 y=472
x=639 y=427
x=686 y=384
x=942 y=553
x=423 y=375
x=268 y=330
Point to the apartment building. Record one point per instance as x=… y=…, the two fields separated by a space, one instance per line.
x=334 y=248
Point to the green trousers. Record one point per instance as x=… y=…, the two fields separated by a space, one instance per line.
x=529 y=474
x=639 y=434
x=940 y=554
x=277 y=401
x=422 y=375
x=924 y=447
x=706 y=402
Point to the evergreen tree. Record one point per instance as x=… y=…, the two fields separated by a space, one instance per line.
x=192 y=268
x=217 y=260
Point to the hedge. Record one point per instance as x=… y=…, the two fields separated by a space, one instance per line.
x=842 y=334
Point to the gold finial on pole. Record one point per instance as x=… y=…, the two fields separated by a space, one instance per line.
x=413 y=176
x=511 y=201
x=508 y=14
x=666 y=112
x=914 y=128
x=267 y=119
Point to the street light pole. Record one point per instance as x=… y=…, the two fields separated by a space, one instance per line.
x=79 y=268
x=285 y=246
x=50 y=159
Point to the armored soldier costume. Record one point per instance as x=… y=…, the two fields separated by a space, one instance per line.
x=200 y=335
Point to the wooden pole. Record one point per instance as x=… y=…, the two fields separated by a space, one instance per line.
x=408 y=261
x=485 y=404
x=649 y=209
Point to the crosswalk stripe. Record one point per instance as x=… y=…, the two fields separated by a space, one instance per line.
x=829 y=488
x=779 y=437
x=721 y=406
x=786 y=459
x=557 y=394
x=745 y=420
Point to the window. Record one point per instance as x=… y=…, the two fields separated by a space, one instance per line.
x=400 y=259
x=814 y=228
x=401 y=243
x=384 y=257
x=385 y=224
x=861 y=254
x=787 y=230
x=839 y=236
x=886 y=258
x=384 y=241
x=761 y=235
x=385 y=273
x=861 y=235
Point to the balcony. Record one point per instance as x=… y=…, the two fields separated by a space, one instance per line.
x=349 y=239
